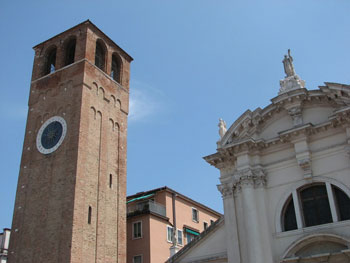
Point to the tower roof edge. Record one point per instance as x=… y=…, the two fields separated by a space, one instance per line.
x=86 y=22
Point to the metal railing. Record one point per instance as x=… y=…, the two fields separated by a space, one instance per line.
x=145 y=207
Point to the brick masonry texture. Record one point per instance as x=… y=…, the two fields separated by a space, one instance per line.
x=55 y=191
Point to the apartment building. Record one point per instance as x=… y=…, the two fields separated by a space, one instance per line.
x=161 y=221
x=4 y=244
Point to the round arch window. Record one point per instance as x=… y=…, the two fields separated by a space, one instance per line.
x=317 y=204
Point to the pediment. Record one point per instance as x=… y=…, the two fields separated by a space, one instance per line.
x=287 y=111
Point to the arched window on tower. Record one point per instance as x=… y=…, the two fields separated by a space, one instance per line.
x=100 y=56
x=70 y=52
x=50 y=65
x=319 y=203
x=116 y=68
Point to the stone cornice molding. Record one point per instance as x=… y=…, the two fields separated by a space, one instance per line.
x=228 y=153
x=334 y=95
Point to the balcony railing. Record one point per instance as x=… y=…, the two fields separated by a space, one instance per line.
x=146 y=207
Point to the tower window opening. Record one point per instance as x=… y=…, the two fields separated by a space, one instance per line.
x=110 y=180
x=89 y=215
x=70 y=52
x=50 y=62
x=116 y=68
x=99 y=56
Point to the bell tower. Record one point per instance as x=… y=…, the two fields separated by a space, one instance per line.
x=70 y=200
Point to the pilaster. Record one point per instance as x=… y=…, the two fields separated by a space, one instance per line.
x=231 y=227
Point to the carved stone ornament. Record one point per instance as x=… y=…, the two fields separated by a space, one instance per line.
x=296 y=115
x=226 y=190
x=305 y=164
x=291 y=83
x=250 y=178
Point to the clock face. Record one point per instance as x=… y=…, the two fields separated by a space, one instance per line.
x=51 y=135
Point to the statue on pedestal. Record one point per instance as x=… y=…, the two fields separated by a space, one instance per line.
x=292 y=81
x=222 y=128
x=288 y=65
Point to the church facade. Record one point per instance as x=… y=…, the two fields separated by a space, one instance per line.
x=284 y=180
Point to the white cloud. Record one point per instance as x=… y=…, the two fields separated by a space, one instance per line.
x=145 y=101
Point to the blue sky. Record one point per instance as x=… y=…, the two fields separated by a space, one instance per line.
x=195 y=61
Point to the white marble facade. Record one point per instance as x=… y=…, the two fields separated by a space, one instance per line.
x=285 y=183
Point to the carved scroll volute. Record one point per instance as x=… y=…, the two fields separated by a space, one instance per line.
x=226 y=190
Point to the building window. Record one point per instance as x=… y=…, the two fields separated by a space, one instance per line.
x=110 y=180
x=100 y=56
x=343 y=202
x=70 y=52
x=50 y=61
x=137 y=230
x=190 y=234
x=195 y=216
x=317 y=204
x=205 y=225
x=169 y=234
x=211 y=221
x=179 y=237
x=89 y=215
x=189 y=237
x=116 y=68
x=137 y=259
x=290 y=221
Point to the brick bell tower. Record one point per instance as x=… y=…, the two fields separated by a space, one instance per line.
x=70 y=201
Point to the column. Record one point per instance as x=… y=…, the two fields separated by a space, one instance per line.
x=231 y=229
x=255 y=250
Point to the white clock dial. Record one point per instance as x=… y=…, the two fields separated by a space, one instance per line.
x=51 y=135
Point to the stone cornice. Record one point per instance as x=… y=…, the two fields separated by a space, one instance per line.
x=249 y=123
x=228 y=153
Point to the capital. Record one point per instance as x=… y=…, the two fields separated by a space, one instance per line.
x=226 y=190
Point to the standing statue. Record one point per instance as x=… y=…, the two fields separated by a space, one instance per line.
x=222 y=127
x=288 y=65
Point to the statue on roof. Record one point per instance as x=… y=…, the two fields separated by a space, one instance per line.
x=288 y=65
x=222 y=128
x=291 y=81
